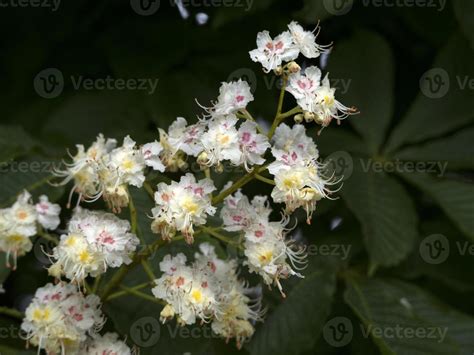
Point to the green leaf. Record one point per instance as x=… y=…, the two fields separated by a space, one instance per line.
x=14 y=141
x=143 y=204
x=334 y=139
x=370 y=75
x=464 y=10
x=295 y=325
x=33 y=175
x=456 y=151
x=454 y=197
x=388 y=305
x=430 y=117
x=384 y=209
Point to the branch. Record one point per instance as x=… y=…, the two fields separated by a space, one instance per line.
x=12 y=312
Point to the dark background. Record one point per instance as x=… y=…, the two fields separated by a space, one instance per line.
x=385 y=54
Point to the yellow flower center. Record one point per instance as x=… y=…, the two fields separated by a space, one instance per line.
x=223 y=139
x=41 y=315
x=15 y=238
x=85 y=256
x=197 y=295
x=128 y=164
x=266 y=256
x=22 y=215
x=190 y=206
x=329 y=100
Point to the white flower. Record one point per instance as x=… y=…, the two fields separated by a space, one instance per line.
x=95 y=241
x=48 y=213
x=185 y=138
x=107 y=344
x=306 y=41
x=271 y=53
x=23 y=215
x=233 y=96
x=59 y=318
x=207 y=289
x=317 y=97
x=17 y=224
x=273 y=259
x=252 y=145
x=180 y=206
x=267 y=252
x=328 y=107
x=299 y=178
x=302 y=186
x=129 y=163
x=220 y=142
x=151 y=154
x=84 y=169
x=105 y=170
x=303 y=86
x=291 y=147
x=239 y=214
x=187 y=291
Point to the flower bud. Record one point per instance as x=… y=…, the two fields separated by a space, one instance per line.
x=298 y=118
x=293 y=67
x=202 y=158
x=309 y=116
x=279 y=70
x=167 y=313
x=55 y=270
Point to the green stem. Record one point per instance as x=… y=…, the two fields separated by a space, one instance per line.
x=247 y=116
x=11 y=312
x=279 y=119
x=149 y=189
x=142 y=295
x=238 y=184
x=122 y=272
x=122 y=293
x=148 y=270
x=264 y=179
x=47 y=236
x=133 y=214
x=95 y=287
x=217 y=235
x=282 y=95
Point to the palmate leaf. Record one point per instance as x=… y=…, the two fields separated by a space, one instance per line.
x=385 y=211
x=383 y=306
x=430 y=117
x=370 y=75
x=295 y=325
x=454 y=197
x=33 y=174
x=13 y=142
x=455 y=151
